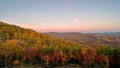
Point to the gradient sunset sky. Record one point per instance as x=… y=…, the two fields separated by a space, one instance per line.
x=62 y=15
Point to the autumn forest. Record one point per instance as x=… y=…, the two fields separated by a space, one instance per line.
x=22 y=47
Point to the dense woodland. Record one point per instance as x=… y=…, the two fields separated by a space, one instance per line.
x=19 y=47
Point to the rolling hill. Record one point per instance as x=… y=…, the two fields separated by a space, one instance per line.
x=92 y=39
x=26 y=37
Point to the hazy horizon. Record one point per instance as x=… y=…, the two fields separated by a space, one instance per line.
x=62 y=15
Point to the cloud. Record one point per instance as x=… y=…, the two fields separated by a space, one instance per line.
x=76 y=20
x=42 y=25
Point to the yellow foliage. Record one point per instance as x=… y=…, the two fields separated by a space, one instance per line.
x=16 y=62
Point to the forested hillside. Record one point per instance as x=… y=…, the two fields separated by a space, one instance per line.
x=21 y=47
x=26 y=36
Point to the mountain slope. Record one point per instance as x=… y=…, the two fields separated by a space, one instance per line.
x=26 y=37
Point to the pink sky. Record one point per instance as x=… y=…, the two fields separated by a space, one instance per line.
x=74 y=27
x=63 y=15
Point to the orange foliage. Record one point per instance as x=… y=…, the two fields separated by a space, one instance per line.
x=83 y=50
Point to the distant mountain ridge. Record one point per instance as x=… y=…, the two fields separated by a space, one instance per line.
x=110 y=33
x=102 y=33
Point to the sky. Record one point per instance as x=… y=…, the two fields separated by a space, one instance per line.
x=62 y=15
